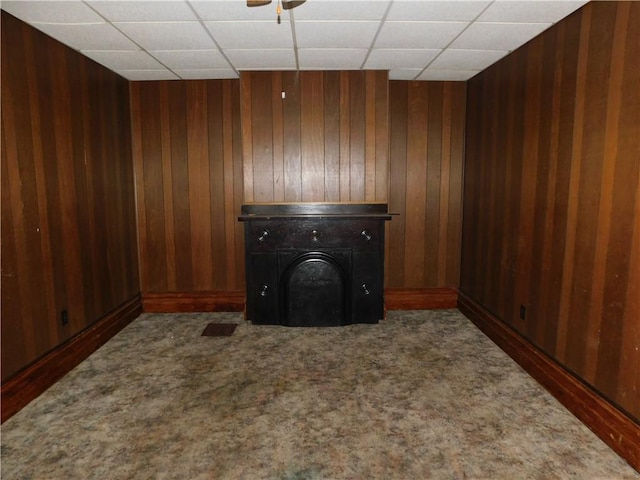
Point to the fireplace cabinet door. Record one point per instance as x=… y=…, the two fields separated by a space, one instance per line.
x=262 y=288
x=367 y=288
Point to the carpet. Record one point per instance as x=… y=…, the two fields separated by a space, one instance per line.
x=421 y=395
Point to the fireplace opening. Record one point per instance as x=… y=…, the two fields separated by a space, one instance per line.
x=315 y=289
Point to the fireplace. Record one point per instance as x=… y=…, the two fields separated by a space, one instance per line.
x=314 y=264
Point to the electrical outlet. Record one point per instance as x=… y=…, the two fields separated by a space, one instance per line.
x=64 y=317
x=523 y=311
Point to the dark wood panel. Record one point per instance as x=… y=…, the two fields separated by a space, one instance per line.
x=187 y=156
x=326 y=140
x=68 y=210
x=551 y=188
x=426 y=124
x=312 y=136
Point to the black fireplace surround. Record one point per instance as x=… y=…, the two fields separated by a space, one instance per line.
x=314 y=264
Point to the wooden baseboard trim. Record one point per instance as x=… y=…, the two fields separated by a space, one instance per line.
x=420 y=298
x=234 y=301
x=26 y=385
x=612 y=425
x=176 y=302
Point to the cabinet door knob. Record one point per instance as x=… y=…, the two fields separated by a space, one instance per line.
x=365 y=289
x=263 y=290
x=366 y=235
x=263 y=236
x=314 y=235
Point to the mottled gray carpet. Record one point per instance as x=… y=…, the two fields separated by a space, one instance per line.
x=421 y=395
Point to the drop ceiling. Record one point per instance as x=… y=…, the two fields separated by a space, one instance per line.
x=207 y=39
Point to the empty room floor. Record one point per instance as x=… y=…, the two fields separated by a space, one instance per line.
x=421 y=395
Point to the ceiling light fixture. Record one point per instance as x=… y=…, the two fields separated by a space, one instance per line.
x=286 y=4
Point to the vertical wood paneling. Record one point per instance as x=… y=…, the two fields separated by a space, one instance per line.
x=332 y=128
x=331 y=115
x=262 y=108
x=199 y=185
x=199 y=120
x=398 y=128
x=232 y=194
x=247 y=136
x=345 y=137
x=605 y=207
x=312 y=137
x=291 y=132
x=278 y=137
x=180 y=183
x=217 y=188
x=381 y=137
x=572 y=173
x=416 y=171
x=426 y=124
x=68 y=211
x=357 y=135
x=370 y=137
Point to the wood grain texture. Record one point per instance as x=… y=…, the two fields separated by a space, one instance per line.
x=188 y=162
x=426 y=124
x=171 y=302
x=68 y=209
x=326 y=140
x=605 y=419
x=551 y=195
x=420 y=298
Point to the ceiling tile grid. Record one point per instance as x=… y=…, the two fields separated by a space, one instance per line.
x=199 y=39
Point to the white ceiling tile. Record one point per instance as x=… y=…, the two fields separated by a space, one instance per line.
x=341 y=10
x=386 y=59
x=529 y=11
x=124 y=60
x=447 y=75
x=206 y=74
x=220 y=10
x=436 y=11
x=168 y=35
x=467 y=59
x=96 y=36
x=52 y=12
x=283 y=59
x=187 y=36
x=497 y=36
x=141 y=75
x=404 y=73
x=191 y=59
x=259 y=35
x=420 y=35
x=144 y=11
x=335 y=34
x=331 y=59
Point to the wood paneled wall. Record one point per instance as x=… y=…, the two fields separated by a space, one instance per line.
x=187 y=152
x=68 y=210
x=552 y=195
x=427 y=121
x=325 y=141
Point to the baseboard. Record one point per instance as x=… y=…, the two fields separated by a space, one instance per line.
x=234 y=301
x=420 y=298
x=612 y=425
x=26 y=385
x=175 y=302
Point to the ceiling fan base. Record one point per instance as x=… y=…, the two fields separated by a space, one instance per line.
x=286 y=4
